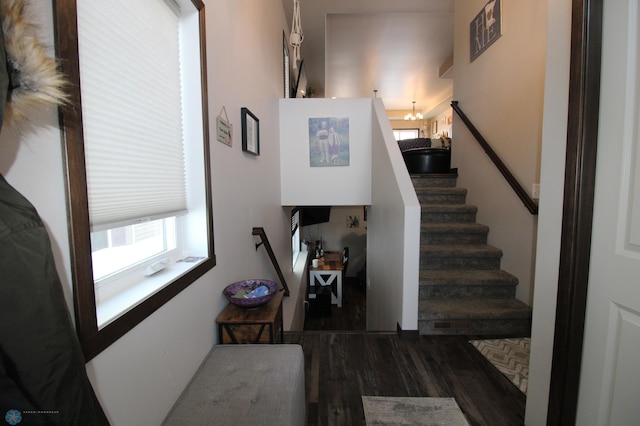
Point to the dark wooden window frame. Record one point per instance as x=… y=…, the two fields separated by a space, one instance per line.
x=575 y=246
x=95 y=340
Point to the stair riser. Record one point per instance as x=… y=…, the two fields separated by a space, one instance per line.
x=453 y=238
x=500 y=327
x=466 y=291
x=434 y=182
x=448 y=217
x=452 y=262
x=442 y=198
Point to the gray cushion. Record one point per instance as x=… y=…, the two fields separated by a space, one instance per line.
x=245 y=385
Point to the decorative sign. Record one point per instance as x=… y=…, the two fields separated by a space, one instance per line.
x=224 y=128
x=485 y=28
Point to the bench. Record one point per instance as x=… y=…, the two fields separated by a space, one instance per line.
x=245 y=385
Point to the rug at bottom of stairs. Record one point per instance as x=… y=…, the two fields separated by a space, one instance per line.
x=509 y=356
x=382 y=410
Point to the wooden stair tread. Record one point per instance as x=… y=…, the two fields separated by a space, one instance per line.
x=453 y=174
x=471 y=309
x=446 y=227
x=435 y=208
x=460 y=250
x=467 y=277
x=441 y=190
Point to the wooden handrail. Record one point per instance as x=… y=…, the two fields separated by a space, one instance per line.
x=264 y=240
x=529 y=203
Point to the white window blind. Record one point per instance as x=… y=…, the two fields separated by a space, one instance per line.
x=131 y=106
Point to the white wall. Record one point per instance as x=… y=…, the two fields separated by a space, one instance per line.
x=140 y=376
x=502 y=93
x=393 y=235
x=550 y=217
x=328 y=186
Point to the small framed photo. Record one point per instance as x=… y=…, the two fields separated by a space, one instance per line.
x=250 y=132
x=434 y=126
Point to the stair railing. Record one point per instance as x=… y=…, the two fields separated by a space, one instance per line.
x=529 y=203
x=264 y=240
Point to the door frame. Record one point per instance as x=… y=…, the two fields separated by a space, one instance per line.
x=578 y=202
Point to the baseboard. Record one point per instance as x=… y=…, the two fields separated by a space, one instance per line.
x=407 y=334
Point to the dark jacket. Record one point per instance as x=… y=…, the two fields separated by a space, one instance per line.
x=42 y=369
x=43 y=379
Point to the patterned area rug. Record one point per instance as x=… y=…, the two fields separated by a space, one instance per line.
x=509 y=356
x=381 y=410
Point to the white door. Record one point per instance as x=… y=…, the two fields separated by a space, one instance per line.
x=610 y=376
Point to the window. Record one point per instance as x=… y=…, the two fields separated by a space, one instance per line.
x=295 y=236
x=405 y=134
x=286 y=75
x=137 y=158
x=116 y=249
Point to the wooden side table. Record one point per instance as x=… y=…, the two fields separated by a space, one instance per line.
x=237 y=325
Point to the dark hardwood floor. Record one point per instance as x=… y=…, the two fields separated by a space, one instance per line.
x=352 y=316
x=342 y=365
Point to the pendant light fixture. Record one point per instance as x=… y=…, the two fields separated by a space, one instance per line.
x=413 y=116
x=296 y=37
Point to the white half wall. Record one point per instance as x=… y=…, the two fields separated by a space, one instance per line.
x=303 y=185
x=393 y=235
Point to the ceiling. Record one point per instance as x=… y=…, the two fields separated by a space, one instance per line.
x=398 y=47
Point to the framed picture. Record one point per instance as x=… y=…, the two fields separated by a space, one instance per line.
x=329 y=141
x=434 y=126
x=250 y=132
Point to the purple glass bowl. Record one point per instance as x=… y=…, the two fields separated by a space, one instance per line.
x=249 y=285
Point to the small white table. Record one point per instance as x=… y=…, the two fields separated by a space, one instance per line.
x=329 y=270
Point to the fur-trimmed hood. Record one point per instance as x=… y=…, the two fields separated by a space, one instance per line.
x=34 y=78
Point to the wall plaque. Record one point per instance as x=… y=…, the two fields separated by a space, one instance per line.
x=224 y=128
x=485 y=28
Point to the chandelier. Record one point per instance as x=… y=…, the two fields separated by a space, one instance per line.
x=413 y=116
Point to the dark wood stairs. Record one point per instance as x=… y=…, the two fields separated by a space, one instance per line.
x=462 y=288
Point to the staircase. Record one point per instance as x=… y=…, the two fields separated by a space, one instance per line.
x=462 y=288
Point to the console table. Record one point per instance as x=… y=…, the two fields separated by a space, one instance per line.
x=329 y=270
x=238 y=325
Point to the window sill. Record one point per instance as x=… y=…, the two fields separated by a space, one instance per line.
x=109 y=308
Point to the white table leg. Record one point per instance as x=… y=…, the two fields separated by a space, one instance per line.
x=339 y=277
x=336 y=299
